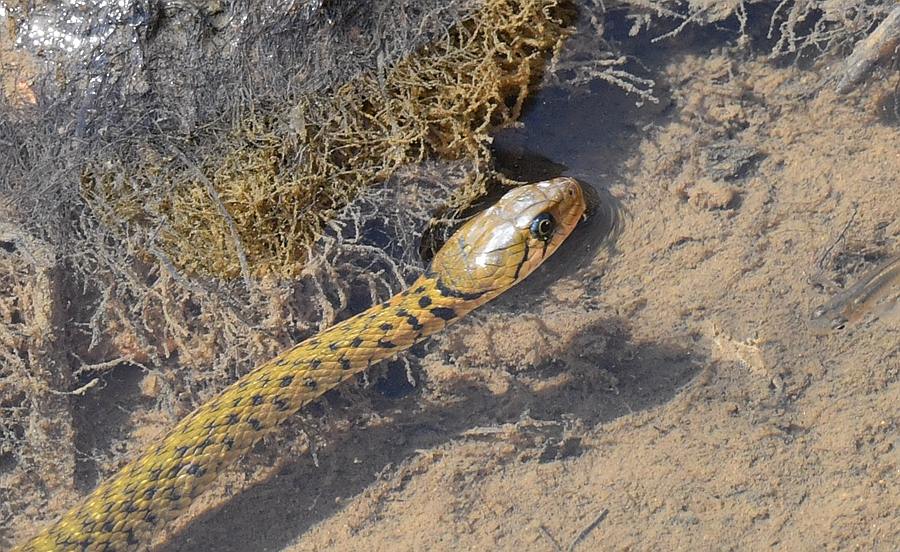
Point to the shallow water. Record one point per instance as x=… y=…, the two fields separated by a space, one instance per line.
x=675 y=383
x=667 y=376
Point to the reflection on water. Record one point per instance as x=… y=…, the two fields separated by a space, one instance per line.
x=587 y=134
x=79 y=28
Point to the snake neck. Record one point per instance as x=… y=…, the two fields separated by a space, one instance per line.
x=421 y=310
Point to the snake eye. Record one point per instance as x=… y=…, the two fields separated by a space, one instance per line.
x=542 y=227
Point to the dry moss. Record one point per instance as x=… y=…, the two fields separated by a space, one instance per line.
x=257 y=206
x=35 y=424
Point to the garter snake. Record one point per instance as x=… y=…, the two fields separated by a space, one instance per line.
x=482 y=259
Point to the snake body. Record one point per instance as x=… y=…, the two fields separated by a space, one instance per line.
x=485 y=257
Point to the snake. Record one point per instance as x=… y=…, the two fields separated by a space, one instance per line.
x=486 y=256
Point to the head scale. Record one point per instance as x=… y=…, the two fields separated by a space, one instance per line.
x=509 y=240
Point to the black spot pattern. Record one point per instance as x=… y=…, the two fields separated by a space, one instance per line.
x=444 y=313
x=225 y=429
x=414 y=322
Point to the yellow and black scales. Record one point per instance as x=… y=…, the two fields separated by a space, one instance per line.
x=485 y=257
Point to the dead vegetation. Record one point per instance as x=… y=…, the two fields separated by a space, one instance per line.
x=233 y=141
x=255 y=204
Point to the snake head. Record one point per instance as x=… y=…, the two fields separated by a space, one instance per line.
x=506 y=242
